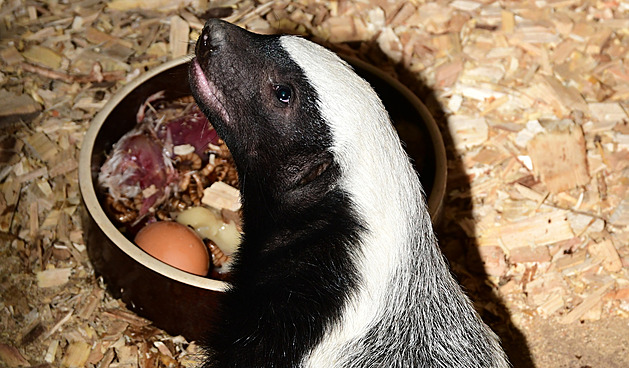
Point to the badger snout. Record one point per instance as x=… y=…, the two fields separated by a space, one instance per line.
x=212 y=39
x=222 y=40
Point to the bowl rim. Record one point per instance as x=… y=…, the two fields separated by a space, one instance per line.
x=96 y=212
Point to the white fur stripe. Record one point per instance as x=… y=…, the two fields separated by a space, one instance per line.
x=372 y=176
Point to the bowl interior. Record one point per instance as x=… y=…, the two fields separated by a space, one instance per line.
x=117 y=118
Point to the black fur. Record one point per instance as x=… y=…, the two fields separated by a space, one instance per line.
x=290 y=282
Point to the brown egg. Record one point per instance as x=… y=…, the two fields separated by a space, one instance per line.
x=176 y=245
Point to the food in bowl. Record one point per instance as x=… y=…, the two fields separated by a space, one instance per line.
x=173 y=167
x=176 y=245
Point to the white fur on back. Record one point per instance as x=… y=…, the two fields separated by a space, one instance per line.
x=381 y=183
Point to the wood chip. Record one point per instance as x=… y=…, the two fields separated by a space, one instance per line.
x=76 y=354
x=51 y=352
x=467 y=131
x=529 y=254
x=12 y=356
x=587 y=304
x=447 y=73
x=606 y=253
x=222 y=196
x=53 y=277
x=534 y=33
x=508 y=21
x=91 y=304
x=179 y=37
x=31 y=175
x=10 y=55
x=390 y=44
x=127 y=356
x=405 y=12
x=42 y=146
x=465 y=5
x=571 y=260
x=43 y=56
x=14 y=108
x=552 y=305
x=493 y=260
x=163 y=348
x=107 y=359
x=96 y=355
x=539 y=289
x=622 y=294
x=543 y=229
x=620 y=216
x=341 y=29
x=559 y=157
x=63 y=163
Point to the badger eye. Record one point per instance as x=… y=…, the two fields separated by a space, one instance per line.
x=283 y=94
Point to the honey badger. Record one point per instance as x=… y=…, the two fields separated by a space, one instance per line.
x=338 y=265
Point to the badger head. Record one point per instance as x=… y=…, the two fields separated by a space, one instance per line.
x=297 y=119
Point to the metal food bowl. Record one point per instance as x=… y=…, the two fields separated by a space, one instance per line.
x=174 y=300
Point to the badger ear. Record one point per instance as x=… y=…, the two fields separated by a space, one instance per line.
x=316 y=169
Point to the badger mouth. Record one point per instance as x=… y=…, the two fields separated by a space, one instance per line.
x=206 y=92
